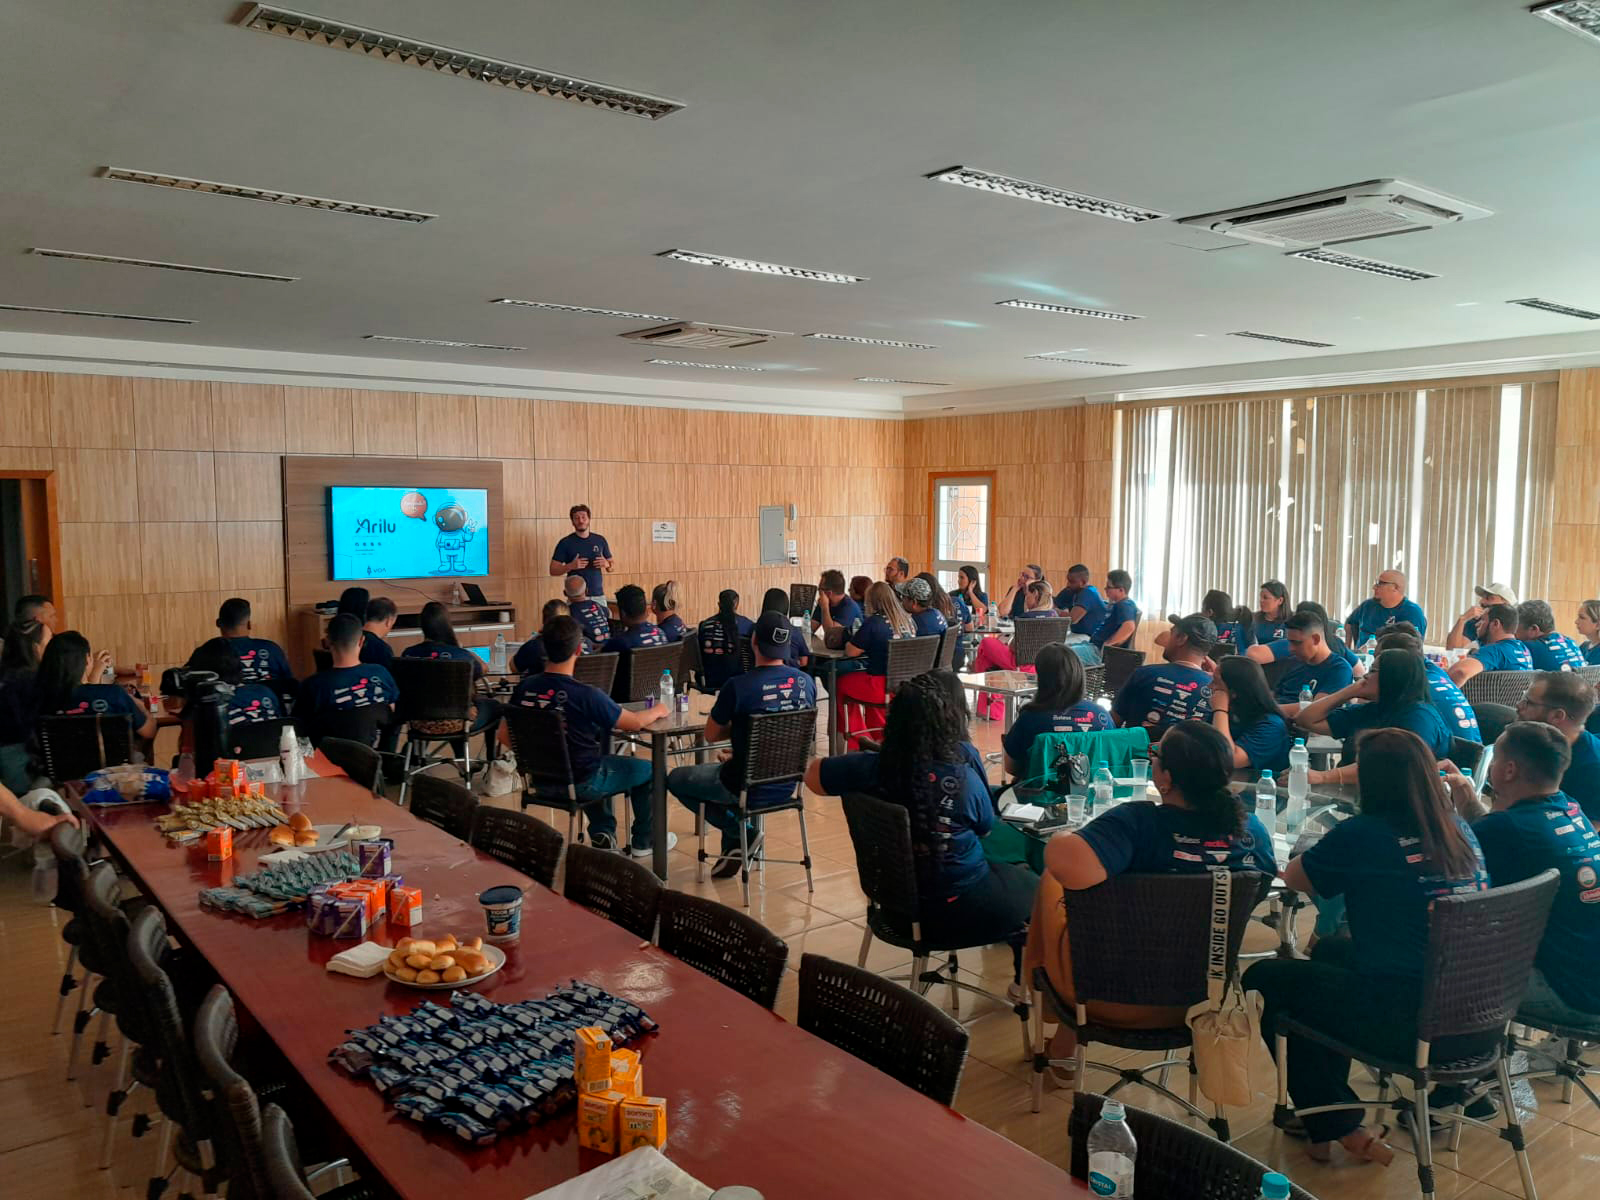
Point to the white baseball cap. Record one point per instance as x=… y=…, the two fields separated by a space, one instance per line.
x=1505 y=592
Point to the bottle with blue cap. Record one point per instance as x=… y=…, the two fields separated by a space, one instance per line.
x=1274 y=1186
x=1112 y=1149
x=1267 y=800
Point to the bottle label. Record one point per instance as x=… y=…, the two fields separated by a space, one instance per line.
x=1111 y=1174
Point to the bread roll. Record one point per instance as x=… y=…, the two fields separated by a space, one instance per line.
x=405 y=974
x=441 y=962
x=403 y=945
x=427 y=977
x=473 y=962
x=281 y=835
x=397 y=959
x=472 y=943
x=299 y=822
x=445 y=944
x=419 y=962
x=306 y=837
x=452 y=975
x=423 y=947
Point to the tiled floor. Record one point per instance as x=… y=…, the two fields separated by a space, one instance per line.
x=50 y=1132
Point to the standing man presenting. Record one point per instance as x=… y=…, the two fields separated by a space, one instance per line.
x=583 y=552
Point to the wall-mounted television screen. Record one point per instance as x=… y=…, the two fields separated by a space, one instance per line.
x=407 y=532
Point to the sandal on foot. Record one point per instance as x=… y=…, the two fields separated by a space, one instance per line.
x=1371 y=1148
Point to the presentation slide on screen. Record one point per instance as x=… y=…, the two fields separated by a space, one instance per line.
x=406 y=533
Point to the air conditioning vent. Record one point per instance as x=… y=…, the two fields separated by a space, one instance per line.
x=1564 y=310
x=1287 y=341
x=1376 y=208
x=84 y=312
x=702 y=337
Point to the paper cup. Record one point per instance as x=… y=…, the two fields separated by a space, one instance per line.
x=502 y=913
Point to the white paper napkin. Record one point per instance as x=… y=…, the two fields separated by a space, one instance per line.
x=363 y=961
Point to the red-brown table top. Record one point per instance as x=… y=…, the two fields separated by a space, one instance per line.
x=752 y=1099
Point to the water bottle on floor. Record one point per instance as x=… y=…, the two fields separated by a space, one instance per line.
x=1266 y=799
x=664 y=692
x=1111 y=1153
x=1294 y=813
x=1104 y=790
x=1274 y=1186
x=497 y=656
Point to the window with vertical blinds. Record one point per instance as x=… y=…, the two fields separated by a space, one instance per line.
x=1450 y=485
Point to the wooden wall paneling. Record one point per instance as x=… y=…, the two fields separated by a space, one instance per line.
x=558 y=484
x=520 y=477
x=176 y=622
x=250 y=555
x=97 y=485
x=617 y=489
x=447 y=426
x=1095 y=536
x=1095 y=489
x=179 y=556
x=91 y=411
x=114 y=623
x=268 y=615
x=506 y=427
x=565 y=430
x=171 y=414
x=248 y=417
x=522 y=553
x=27 y=458
x=100 y=559
x=177 y=485
x=385 y=423
x=25 y=413
x=1578 y=414
x=249 y=487
x=318 y=421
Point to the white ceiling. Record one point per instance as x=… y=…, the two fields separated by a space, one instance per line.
x=807 y=133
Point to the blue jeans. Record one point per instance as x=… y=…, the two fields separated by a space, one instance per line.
x=702 y=784
x=613 y=776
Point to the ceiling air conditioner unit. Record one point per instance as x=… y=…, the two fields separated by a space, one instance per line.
x=690 y=335
x=1376 y=208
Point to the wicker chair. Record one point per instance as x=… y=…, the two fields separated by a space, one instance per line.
x=907 y=658
x=883 y=1024
x=255 y=739
x=1561 y=1056
x=518 y=840
x=722 y=942
x=768 y=748
x=74 y=746
x=1175 y=1161
x=237 y=1114
x=1034 y=634
x=445 y=804
x=359 y=725
x=435 y=707
x=1467 y=755
x=119 y=995
x=802 y=599
x=639 y=672
x=886 y=865
x=1492 y=720
x=945 y=660
x=1481 y=948
x=1120 y=663
x=622 y=891
x=356 y=759
x=285 y=1178
x=539 y=741
x=597 y=670
x=1141 y=939
x=1498 y=687
x=70 y=847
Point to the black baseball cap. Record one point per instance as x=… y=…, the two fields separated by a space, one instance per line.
x=773 y=632
x=1196 y=628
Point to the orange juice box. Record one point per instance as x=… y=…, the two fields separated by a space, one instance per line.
x=597 y=1121
x=219 y=844
x=627 y=1074
x=641 y=1121
x=405 y=905
x=591 y=1060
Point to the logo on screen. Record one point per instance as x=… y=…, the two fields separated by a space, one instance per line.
x=368 y=525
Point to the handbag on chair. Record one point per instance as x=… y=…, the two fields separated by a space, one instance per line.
x=1223 y=1026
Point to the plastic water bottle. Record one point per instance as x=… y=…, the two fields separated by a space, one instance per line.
x=1274 y=1186
x=289 y=755
x=664 y=692
x=497 y=656
x=1112 y=1148
x=1104 y=790
x=1294 y=813
x=1267 y=799
x=44 y=873
x=1307 y=695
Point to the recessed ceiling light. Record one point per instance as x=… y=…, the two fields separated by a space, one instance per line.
x=1041 y=193
x=1577 y=16
x=678 y=362
x=578 y=308
x=1272 y=337
x=761 y=268
x=84 y=312
x=80 y=256
x=1067 y=310
x=905 y=382
x=410 y=341
x=1354 y=262
x=1081 y=362
x=866 y=341
x=320 y=31
x=1564 y=310
x=241 y=192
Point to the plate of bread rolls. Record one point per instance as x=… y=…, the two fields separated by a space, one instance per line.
x=442 y=962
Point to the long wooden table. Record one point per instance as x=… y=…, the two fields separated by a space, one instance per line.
x=752 y=1099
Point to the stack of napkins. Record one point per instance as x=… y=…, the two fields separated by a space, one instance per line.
x=363 y=961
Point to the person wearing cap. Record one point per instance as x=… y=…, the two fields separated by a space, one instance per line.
x=1179 y=689
x=771 y=686
x=917 y=599
x=1465 y=631
x=1498 y=647
x=1549 y=650
x=1080 y=601
x=1387 y=604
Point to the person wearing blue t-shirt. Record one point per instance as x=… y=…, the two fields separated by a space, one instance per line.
x=592 y=616
x=970 y=585
x=1015 y=601
x=664 y=607
x=1387 y=605
x=724 y=641
x=530 y=656
x=1498 y=647
x=1394 y=694
x=439 y=640
x=1122 y=615
x=347 y=685
x=1244 y=712
x=1177 y=690
x=250 y=704
x=638 y=632
x=1405 y=848
x=263 y=661
x=1564 y=701
x=1080 y=601
x=797 y=650
x=835 y=610
x=1314 y=665
x=1464 y=632
x=381 y=616
x=772 y=685
x=917 y=598
x=1448 y=701
x=1276 y=649
x=1270 y=621
x=591 y=715
x=1587 y=623
x=72 y=682
x=1057 y=706
x=1199 y=823
x=862 y=694
x=583 y=553
x=1548 y=649
x=1235 y=629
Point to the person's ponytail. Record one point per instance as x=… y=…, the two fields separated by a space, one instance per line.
x=727 y=617
x=1222 y=812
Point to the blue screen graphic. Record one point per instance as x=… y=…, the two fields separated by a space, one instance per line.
x=407 y=533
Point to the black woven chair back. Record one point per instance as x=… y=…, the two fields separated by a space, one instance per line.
x=1120 y=663
x=880 y=831
x=645 y=667
x=1094 y=681
x=74 y=746
x=624 y=892
x=106 y=933
x=1144 y=939
x=597 y=670
x=1274 y=671
x=694 y=667
x=908 y=658
x=519 y=841
x=237 y=1113
x=802 y=599
x=286 y=1179
x=432 y=689
x=539 y=741
x=356 y=759
x=883 y=1024
x=945 y=660
x=1466 y=755
x=1492 y=720
x=1175 y=1161
x=359 y=725
x=70 y=846
x=1498 y=687
x=1481 y=948
x=182 y=1087
x=772 y=747
x=444 y=804
x=258 y=739
x=721 y=942
x=1035 y=633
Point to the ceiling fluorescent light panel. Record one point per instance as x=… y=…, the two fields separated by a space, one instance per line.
x=578 y=308
x=1040 y=193
x=413 y=341
x=81 y=256
x=243 y=192
x=85 y=312
x=701 y=259
x=1067 y=310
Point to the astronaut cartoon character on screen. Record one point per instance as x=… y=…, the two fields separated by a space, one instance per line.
x=455 y=531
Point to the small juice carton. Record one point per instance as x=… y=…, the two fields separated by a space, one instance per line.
x=219 y=844
x=642 y=1121
x=591 y=1060
x=627 y=1074
x=405 y=905
x=597 y=1120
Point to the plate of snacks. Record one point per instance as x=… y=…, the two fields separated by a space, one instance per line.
x=437 y=963
x=300 y=833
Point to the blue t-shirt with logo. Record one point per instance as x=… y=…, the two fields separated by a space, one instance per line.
x=929 y=621
x=254 y=704
x=1534 y=836
x=873 y=640
x=1082 y=717
x=720 y=658
x=104 y=699
x=1281 y=649
x=1234 y=636
x=950 y=811
x=1094 y=607
x=846 y=613
x=673 y=628
x=375 y=649
x=1265 y=742
x=1453 y=708
x=341 y=688
x=260 y=659
x=590 y=714
x=1324 y=678
x=1421 y=719
x=1264 y=631
x=1387 y=884
x=586 y=545
x=1370 y=618
x=762 y=690
x=635 y=637
x=1508 y=654
x=592 y=617
x=1554 y=652
x=444 y=651
x=1149 y=838
x=1582 y=780
x=1164 y=694
x=1591 y=655
x=530 y=657
x=1117 y=615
